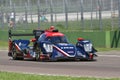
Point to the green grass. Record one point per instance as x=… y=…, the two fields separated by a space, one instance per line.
x=3 y=45
x=18 y=76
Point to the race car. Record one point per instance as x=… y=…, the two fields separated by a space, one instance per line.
x=50 y=45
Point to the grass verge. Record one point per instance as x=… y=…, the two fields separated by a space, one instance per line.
x=19 y=76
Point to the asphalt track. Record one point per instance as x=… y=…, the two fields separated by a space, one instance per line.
x=107 y=65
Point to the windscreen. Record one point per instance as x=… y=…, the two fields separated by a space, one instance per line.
x=57 y=39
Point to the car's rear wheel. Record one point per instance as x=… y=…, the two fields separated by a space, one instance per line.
x=14 y=53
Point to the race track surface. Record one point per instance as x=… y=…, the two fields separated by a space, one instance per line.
x=107 y=65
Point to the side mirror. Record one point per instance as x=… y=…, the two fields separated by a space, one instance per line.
x=33 y=40
x=80 y=39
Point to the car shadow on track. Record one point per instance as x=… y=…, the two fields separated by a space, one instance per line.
x=83 y=60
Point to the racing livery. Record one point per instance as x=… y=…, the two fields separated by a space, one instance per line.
x=49 y=45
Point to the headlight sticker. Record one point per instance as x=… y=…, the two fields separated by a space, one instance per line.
x=48 y=47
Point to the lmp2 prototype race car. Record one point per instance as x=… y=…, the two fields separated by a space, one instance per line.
x=50 y=45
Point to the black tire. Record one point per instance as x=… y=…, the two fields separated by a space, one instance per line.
x=37 y=57
x=38 y=51
x=21 y=57
x=14 y=53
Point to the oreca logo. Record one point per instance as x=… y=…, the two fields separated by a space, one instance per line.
x=21 y=44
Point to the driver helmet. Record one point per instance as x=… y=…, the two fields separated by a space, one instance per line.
x=52 y=27
x=80 y=39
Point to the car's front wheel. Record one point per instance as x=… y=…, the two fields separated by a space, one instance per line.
x=37 y=51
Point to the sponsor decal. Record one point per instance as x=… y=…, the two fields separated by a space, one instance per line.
x=70 y=52
x=21 y=44
x=63 y=52
x=17 y=47
x=67 y=47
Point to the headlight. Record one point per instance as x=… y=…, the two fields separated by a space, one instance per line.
x=88 y=47
x=48 y=47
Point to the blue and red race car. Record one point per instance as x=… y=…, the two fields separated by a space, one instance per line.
x=50 y=45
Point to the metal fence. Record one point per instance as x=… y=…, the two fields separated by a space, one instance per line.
x=85 y=14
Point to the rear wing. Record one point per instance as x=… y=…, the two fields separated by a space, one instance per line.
x=35 y=33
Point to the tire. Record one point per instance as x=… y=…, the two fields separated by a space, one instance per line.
x=38 y=51
x=21 y=57
x=14 y=53
x=37 y=57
